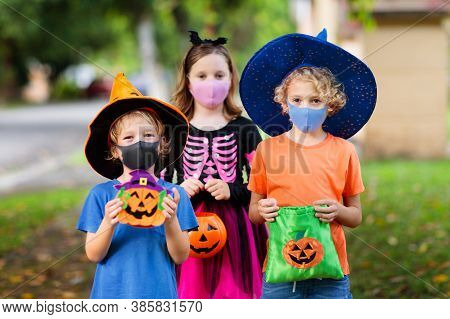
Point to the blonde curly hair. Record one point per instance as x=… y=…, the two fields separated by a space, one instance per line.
x=329 y=89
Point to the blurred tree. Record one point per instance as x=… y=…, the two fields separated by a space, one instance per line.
x=106 y=32
x=247 y=24
x=361 y=10
x=26 y=28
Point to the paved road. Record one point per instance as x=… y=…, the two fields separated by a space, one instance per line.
x=38 y=145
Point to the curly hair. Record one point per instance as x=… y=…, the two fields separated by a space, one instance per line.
x=329 y=89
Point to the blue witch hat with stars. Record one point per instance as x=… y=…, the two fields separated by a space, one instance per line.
x=278 y=58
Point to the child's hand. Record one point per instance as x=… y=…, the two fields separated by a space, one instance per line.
x=218 y=189
x=192 y=186
x=170 y=205
x=327 y=214
x=112 y=208
x=268 y=208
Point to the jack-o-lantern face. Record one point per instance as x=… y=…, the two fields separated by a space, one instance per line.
x=304 y=253
x=142 y=199
x=209 y=238
x=142 y=208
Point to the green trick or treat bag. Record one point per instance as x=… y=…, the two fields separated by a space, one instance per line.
x=300 y=247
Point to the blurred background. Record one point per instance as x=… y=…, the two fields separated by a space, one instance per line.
x=58 y=59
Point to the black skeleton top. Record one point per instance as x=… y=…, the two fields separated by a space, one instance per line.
x=223 y=154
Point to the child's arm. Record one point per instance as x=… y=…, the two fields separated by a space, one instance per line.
x=177 y=240
x=97 y=244
x=262 y=209
x=348 y=214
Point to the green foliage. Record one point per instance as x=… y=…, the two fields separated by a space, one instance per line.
x=57 y=33
x=65 y=90
x=60 y=33
x=405 y=216
x=121 y=53
x=247 y=24
x=361 y=10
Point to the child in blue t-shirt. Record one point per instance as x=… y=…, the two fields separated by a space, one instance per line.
x=135 y=132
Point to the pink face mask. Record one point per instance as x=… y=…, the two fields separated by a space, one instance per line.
x=210 y=93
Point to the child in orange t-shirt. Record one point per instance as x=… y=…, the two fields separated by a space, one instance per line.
x=309 y=163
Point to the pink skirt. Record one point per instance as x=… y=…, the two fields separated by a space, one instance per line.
x=235 y=272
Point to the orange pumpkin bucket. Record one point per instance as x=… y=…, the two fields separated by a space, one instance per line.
x=210 y=236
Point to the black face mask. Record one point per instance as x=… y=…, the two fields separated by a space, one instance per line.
x=140 y=155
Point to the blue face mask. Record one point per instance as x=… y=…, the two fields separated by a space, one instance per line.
x=307 y=119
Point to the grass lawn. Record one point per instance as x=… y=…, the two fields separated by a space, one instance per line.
x=406 y=217
x=21 y=214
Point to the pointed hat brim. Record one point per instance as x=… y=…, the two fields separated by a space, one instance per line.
x=125 y=98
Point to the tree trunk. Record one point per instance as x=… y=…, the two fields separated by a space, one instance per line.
x=153 y=73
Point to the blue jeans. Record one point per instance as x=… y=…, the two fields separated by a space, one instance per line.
x=308 y=289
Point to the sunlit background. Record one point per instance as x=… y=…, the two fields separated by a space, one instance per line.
x=57 y=63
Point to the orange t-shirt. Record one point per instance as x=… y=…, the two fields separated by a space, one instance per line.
x=297 y=175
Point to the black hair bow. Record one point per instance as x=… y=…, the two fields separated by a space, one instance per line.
x=196 y=40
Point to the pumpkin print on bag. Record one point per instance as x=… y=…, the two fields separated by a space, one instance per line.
x=142 y=198
x=210 y=236
x=304 y=253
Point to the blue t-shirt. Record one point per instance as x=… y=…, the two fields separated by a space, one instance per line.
x=138 y=264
